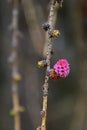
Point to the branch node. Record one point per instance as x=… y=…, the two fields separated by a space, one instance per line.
x=45 y=89
x=42 y=113
x=46 y=26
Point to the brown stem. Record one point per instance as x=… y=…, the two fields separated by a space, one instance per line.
x=16 y=107
x=45 y=86
x=51 y=23
x=46 y=34
x=14 y=64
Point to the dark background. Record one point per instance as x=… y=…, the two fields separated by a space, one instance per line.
x=67 y=102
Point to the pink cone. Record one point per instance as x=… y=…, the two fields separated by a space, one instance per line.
x=62 y=68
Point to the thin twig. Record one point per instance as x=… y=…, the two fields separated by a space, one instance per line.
x=48 y=57
x=45 y=86
x=13 y=59
x=51 y=33
x=46 y=34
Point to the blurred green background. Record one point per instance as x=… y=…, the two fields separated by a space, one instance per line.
x=67 y=102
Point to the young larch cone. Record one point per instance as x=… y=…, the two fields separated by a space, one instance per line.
x=62 y=68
